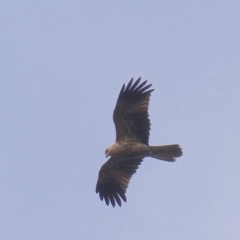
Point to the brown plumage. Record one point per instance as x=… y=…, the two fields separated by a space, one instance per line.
x=131 y=146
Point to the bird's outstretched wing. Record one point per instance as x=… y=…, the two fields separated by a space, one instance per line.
x=131 y=112
x=114 y=177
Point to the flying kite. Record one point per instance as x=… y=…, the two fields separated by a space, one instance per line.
x=132 y=126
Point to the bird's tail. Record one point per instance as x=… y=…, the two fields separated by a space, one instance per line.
x=166 y=152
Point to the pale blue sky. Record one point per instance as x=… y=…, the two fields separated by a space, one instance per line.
x=63 y=64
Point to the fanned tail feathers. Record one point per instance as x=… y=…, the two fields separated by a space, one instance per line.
x=166 y=152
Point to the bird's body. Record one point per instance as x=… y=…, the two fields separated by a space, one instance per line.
x=131 y=146
x=134 y=150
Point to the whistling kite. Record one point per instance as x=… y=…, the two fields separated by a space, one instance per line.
x=132 y=125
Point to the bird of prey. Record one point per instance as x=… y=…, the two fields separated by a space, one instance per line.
x=132 y=126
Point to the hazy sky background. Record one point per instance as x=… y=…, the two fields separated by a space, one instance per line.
x=62 y=66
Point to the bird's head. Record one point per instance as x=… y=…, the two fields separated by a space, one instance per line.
x=108 y=151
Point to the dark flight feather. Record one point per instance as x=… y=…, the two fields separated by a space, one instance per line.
x=114 y=177
x=131 y=113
